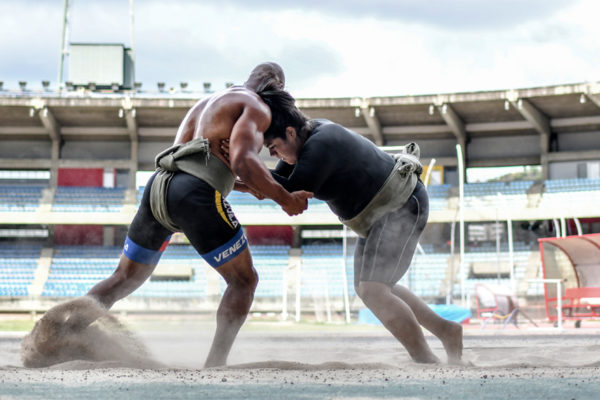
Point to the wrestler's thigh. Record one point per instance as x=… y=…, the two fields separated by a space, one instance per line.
x=203 y=215
x=391 y=244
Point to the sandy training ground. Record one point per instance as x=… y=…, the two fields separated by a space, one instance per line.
x=286 y=361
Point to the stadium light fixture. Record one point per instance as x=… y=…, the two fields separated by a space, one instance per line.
x=23 y=85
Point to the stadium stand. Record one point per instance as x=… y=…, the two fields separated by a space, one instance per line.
x=427 y=274
x=322 y=266
x=438 y=196
x=271 y=263
x=492 y=133
x=17 y=268
x=193 y=286
x=477 y=195
x=576 y=191
x=75 y=269
x=486 y=194
x=88 y=199
x=20 y=197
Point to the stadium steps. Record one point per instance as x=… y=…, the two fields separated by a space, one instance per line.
x=42 y=272
x=534 y=194
x=47 y=196
x=293 y=269
x=131 y=197
x=532 y=271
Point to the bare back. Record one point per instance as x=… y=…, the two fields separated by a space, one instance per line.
x=215 y=117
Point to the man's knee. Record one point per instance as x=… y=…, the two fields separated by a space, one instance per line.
x=245 y=281
x=250 y=280
x=371 y=291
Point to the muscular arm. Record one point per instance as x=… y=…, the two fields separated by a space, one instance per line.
x=245 y=143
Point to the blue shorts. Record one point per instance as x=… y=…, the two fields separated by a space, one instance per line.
x=203 y=216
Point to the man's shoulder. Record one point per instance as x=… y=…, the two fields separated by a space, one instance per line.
x=324 y=128
x=231 y=98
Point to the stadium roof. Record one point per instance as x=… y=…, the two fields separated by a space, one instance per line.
x=529 y=121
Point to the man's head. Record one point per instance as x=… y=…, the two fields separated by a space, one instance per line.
x=289 y=126
x=266 y=73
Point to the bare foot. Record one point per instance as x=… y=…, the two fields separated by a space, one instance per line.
x=453 y=343
x=427 y=358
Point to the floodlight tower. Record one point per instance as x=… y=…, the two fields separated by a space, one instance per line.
x=64 y=43
x=132 y=44
x=64 y=46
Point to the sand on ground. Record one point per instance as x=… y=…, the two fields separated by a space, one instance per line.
x=275 y=359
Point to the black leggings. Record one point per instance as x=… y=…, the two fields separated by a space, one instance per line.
x=387 y=251
x=194 y=206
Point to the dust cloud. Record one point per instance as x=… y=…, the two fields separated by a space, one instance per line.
x=81 y=331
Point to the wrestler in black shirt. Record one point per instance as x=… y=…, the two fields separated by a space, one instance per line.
x=339 y=166
x=377 y=196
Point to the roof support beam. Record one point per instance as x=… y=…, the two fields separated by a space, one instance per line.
x=50 y=124
x=594 y=98
x=53 y=129
x=373 y=123
x=457 y=126
x=132 y=126
x=541 y=124
x=132 y=129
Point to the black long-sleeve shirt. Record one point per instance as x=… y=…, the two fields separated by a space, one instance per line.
x=339 y=166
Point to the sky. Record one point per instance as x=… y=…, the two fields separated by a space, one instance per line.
x=328 y=48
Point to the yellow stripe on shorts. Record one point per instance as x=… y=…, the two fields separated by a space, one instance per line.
x=219 y=204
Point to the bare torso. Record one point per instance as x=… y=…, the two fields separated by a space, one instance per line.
x=214 y=117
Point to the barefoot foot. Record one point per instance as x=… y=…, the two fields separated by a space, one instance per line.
x=453 y=343
x=426 y=358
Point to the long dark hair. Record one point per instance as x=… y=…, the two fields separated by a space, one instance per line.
x=284 y=112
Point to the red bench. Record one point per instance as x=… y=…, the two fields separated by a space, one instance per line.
x=582 y=302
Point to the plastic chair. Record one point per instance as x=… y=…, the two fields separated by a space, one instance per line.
x=496 y=304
